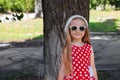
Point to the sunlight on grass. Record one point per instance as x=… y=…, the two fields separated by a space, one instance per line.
x=21 y=30
x=100 y=21
x=104 y=21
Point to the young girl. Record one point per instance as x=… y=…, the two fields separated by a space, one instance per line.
x=77 y=60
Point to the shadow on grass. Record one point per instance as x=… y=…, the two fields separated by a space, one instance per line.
x=103 y=75
x=35 y=42
x=107 y=25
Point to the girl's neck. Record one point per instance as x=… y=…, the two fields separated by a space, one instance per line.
x=77 y=42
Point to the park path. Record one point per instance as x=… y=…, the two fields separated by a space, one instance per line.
x=30 y=59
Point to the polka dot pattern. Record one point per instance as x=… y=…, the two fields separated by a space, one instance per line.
x=80 y=63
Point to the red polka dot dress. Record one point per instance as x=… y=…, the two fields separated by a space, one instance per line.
x=80 y=63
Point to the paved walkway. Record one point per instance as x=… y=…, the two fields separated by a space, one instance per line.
x=107 y=55
x=27 y=59
x=106 y=49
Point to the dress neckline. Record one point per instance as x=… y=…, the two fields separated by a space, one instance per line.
x=78 y=45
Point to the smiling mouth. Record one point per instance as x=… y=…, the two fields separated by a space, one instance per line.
x=78 y=34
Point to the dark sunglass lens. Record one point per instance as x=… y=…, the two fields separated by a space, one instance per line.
x=74 y=28
x=82 y=28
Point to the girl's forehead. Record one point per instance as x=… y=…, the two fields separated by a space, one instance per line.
x=77 y=22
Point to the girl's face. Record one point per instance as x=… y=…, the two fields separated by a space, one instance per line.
x=77 y=29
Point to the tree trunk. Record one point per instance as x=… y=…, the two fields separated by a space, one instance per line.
x=104 y=4
x=56 y=12
x=38 y=8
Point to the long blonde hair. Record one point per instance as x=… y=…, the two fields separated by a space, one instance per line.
x=67 y=58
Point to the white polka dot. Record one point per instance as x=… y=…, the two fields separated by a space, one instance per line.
x=83 y=77
x=75 y=54
x=73 y=62
x=75 y=72
x=86 y=74
x=73 y=50
x=76 y=77
x=80 y=59
x=82 y=69
x=84 y=54
x=75 y=59
x=81 y=64
x=74 y=67
x=87 y=61
x=76 y=64
x=79 y=54
x=79 y=67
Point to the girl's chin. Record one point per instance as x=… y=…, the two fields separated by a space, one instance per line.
x=78 y=37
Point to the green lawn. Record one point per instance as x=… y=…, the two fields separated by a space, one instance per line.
x=21 y=30
x=100 y=21
x=104 y=21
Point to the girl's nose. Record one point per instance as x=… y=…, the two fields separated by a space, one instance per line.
x=77 y=30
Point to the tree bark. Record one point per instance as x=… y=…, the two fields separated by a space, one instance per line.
x=38 y=8
x=56 y=12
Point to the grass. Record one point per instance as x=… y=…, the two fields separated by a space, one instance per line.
x=100 y=21
x=104 y=21
x=21 y=30
x=103 y=75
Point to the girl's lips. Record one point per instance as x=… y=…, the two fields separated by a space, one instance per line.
x=77 y=34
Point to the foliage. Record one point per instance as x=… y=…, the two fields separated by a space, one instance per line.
x=115 y=3
x=95 y=3
x=103 y=3
x=17 y=5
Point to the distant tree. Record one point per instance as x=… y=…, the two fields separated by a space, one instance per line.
x=38 y=8
x=17 y=5
x=95 y=3
x=5 y=5
x=28 y=5
x=115 y=3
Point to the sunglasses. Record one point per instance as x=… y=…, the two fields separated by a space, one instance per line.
x=81 y=28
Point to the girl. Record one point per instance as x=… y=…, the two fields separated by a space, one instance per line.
x=77 y=60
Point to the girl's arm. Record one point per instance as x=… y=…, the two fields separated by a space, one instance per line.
x=93 y=65
x=61 y=73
